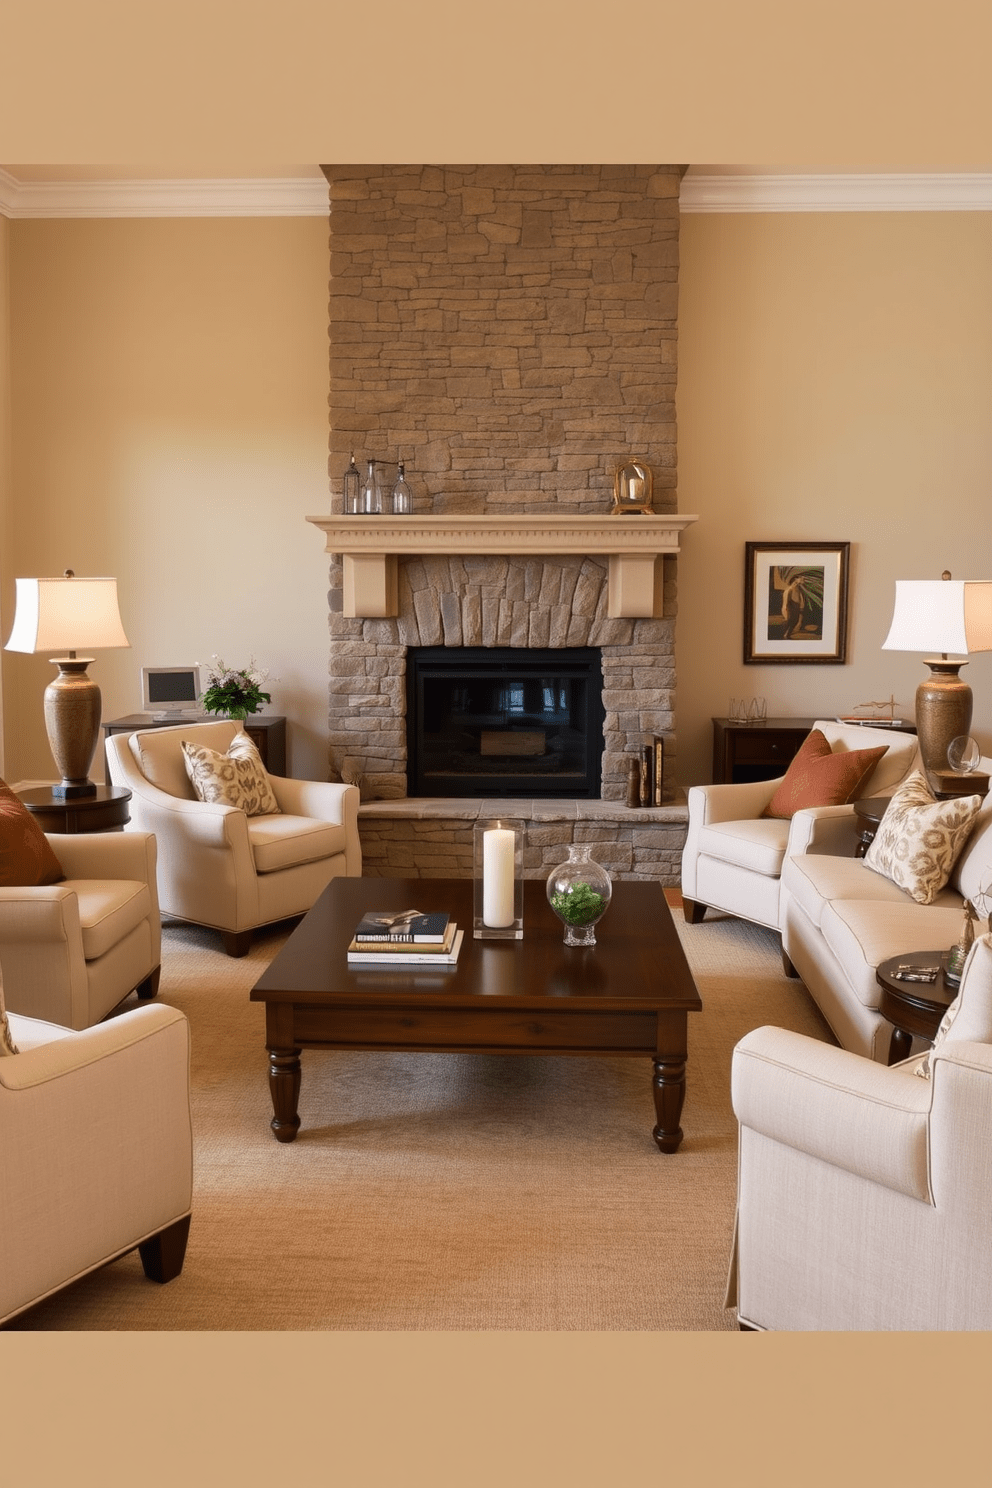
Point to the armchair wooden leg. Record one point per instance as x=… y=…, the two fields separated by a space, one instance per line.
x=149 y=987
x=162 y=1256
x=236 y=942
x=693 y=912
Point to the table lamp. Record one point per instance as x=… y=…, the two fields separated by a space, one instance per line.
x=941 y=615
x=69 y=614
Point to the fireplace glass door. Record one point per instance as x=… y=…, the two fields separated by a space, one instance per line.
x=499 y=721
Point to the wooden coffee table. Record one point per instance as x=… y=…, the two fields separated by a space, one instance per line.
x=629 y=994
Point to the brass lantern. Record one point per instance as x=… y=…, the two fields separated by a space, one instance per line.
x=632 y=488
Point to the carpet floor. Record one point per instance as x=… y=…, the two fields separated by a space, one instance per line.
x=448 y=1191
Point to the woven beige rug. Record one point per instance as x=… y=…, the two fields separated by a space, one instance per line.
x=449 y=1192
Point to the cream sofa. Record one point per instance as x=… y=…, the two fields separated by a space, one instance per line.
x=219 y=867
x=733 y=856
x=865 y=1194
x=840 y=919
x=96 y=1151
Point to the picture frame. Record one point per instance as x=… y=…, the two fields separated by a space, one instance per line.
x=795 y=603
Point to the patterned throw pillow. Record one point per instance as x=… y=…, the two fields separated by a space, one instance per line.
x=26 y=856
x=919 y=838
x=7 y=1045
x=819 y=777
x=237 y=778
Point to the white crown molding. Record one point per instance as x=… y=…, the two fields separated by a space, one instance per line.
x=308 y=197
x=891 y=192
x=272 y=197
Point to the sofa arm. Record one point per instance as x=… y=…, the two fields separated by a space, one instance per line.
x=852 y=1112
x=40 y=914
x=118 y=855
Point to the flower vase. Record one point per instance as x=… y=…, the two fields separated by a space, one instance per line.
x=579 y=892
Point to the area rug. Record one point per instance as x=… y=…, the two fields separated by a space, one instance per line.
x=448 y=1191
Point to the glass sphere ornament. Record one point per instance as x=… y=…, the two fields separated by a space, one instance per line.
x=579 y=892
x=963 y=754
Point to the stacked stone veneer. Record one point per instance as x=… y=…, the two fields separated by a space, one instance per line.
x=510 y=332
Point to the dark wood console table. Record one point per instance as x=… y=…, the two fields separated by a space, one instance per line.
x=267 y=732
x=755 y=751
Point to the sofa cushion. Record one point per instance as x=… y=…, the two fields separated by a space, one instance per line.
x=862 y=933
x=26 y=856
x=285 y=841
x=815 y=879
x=819 y=777
x=756 y=844
x=109 y=909
x=972 y=872
x=919 y=838
x=235 y=778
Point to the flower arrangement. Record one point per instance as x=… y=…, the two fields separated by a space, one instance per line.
x=236 y=691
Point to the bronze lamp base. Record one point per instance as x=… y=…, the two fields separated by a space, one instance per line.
x=72 y=718
x=943 y=711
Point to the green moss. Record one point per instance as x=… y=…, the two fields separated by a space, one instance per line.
x=579 y=905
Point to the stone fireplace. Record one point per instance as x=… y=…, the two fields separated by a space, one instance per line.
x=510 y=333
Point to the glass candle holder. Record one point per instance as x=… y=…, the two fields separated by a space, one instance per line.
x=498 y=858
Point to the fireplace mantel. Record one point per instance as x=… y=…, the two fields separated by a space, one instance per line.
x=370 y=546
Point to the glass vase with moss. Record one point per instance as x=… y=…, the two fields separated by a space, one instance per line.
x=579 y=892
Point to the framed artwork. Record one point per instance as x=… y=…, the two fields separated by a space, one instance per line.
x=795 y=603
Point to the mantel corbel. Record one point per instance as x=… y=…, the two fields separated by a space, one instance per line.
x=632 y=544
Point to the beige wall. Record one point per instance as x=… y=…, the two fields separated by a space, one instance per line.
x=835 y=382
x=169 y=395
x=170 y=428
x=5 y=502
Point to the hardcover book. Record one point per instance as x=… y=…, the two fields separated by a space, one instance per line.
x=403 y=925
x=394 y=948
x=412 y=956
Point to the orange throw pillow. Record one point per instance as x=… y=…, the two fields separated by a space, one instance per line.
x=26 y=856
x=818 y=777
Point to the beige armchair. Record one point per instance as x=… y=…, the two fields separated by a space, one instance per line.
x=865 y=1192
x=95 y=1151
x=733 y=856
x=216 y=865
x=73 y=950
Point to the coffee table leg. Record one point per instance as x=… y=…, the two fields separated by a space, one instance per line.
x=284 y=1085
x=669 y=1094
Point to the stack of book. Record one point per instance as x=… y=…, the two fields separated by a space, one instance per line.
x=404 y=939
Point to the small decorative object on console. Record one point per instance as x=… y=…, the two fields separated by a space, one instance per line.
x=498 y=906
x=958 y=954
x=579 y=892
x=235 y=691
x=632 y=485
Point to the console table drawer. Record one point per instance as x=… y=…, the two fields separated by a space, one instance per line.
x=745 y=752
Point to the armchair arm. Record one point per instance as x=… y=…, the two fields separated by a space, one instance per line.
x=852 y=1112
x=106 y=854
x=730 y=801
x=327 y=801
x=95 y=1148
x=830 y=830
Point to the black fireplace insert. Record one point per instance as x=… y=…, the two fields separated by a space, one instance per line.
x=501 y=721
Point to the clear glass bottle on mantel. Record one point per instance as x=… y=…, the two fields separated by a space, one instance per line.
x=402 y=495
x=351 y=486
x=371 y=493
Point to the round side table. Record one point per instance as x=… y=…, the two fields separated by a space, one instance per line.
x=105 y=811
x=913 y=1008
x=869 y=813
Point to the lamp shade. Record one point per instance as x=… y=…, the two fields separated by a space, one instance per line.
x=941 y=615
x=67 y=614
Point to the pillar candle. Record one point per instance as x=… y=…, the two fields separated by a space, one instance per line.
x=497 y=878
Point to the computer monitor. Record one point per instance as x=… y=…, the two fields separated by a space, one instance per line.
x=170 y=690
